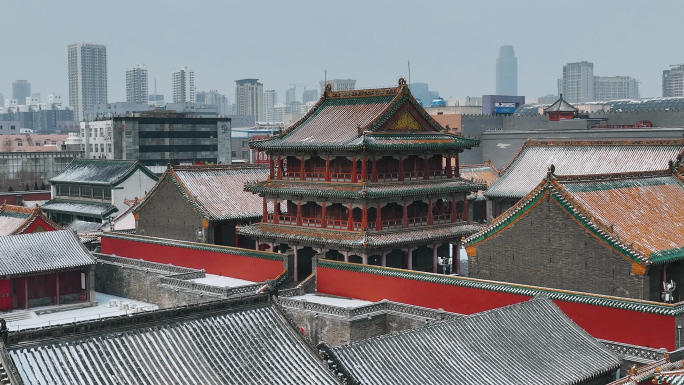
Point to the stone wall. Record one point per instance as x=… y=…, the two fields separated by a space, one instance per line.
x=337 y=326
x=169 y=215
x=143 y=284
x=546 y=247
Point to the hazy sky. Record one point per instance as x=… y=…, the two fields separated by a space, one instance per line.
x=452 y=45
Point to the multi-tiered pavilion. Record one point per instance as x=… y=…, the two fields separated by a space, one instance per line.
x=368 y=177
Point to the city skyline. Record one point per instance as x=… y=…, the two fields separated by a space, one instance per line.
x=374 y=59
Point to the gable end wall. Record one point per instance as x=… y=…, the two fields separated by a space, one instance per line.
x=168 y=215
x=547 y=247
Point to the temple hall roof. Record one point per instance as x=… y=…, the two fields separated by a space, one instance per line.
x=528 y=166
x=216 y=192
x=637 y=214
x=90 y=209
x=40 y=252
x=360 y=239
x=16 y=219
x=532 y=342
x=485 y=173
x=100 y=172
x=242 y=347
x=373 y=119
x=360 y=191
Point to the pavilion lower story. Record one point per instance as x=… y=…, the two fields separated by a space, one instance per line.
x=441 y=258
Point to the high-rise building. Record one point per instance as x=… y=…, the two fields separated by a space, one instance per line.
x=249 y=98
x=339 y=84
x=87 y=76
x=270 y=100
x=290 y=96
x=183 y=86
x=309 y=96
x=137 y=84
x=506 y=72
x=577 y=84
x=21 y=89
x=673 y=81
x=2 y=100
x=615 y=87
x=214 y=98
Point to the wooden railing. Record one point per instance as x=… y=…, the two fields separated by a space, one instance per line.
x=340 y=224
x=381 y=176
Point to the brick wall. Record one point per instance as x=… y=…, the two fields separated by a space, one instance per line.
x=169 y=215
x=547 y=248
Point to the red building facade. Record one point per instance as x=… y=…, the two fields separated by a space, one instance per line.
x=366 y=176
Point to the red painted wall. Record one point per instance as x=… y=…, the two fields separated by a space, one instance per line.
x=631 y=327
x=5 y=294
x=229 y=265
x=11 y=197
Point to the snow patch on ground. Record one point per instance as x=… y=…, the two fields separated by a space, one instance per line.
x=89 y=313
x=332 y=301
x=221 y=281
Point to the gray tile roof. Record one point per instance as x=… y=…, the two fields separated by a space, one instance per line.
x=79 y=207
x=42 y=252
x=100 y=172
x=528 y=343
x=529 y=166
x=246 y=347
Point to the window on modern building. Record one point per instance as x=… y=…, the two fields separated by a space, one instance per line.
x=101 y=147
x=13 y=127
x=109 y=147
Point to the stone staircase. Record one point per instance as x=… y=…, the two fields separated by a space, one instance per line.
x=16 y=316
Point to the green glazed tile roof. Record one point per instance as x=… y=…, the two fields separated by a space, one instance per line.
x=100 y=172
x=360 y=191
x=637 y=214
x=360 y=239
x=530 y=291
x=349 y=120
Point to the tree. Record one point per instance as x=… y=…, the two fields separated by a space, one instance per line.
x=35 y=185
x=10 y=189
x=27 y=187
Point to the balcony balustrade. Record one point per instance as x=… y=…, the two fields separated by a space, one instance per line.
x=380 y=177
x=338 y=224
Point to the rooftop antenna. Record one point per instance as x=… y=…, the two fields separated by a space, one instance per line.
x=325 y=77
x=409 y=69
x=155 y=88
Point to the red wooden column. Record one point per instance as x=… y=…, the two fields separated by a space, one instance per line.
x=56 y=288
x=431 y=219
x=271 y=166
x=327 y=168
x=453 y=209
x=350 y=218
x=354 y=176
x=405 y=218
x=280 y=167
x=276 y=211
x=426 y=168
x=364 y=169
x=264 y=219
x=449 y=169
x=465 y=207
x=374 y=170
x=378 y=220
x=301 y=168
x=401 y=167
x=364 y=217
x=299 y=213
x=324 y=223
x=26 y=305
x=458 y=166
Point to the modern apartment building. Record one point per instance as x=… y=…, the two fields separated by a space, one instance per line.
x=137 y=84
x=615 y=87
x=21 y=89
x=577 y=84
x=87 y=76
x=339 y=84
x=673 y=81
x=506 y=72
x=249 y=98
x=183 y=85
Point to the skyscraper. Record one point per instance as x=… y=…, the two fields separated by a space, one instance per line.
x=183 y=85
x=137 y=84
x=506 y=72
x=21 y=89
x=87 y=76
x=577 y=84
x=249 y=98
x=673 y=81
x=615 y=87
x=290 y=96
x=309 y=96
x=339 y=84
